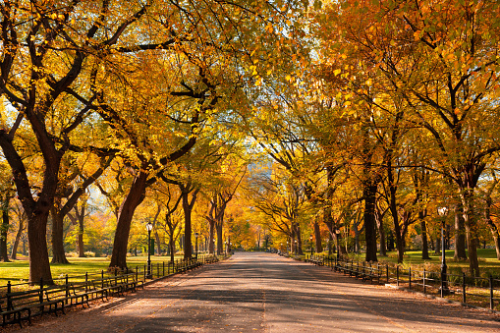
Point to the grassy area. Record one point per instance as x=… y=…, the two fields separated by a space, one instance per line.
x=18 y=270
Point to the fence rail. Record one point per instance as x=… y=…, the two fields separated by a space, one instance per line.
x=468 y=290
x=22 y=301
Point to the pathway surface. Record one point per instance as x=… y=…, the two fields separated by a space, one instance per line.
x=257 y=292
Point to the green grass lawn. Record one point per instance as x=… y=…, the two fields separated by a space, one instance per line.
x=18 y=270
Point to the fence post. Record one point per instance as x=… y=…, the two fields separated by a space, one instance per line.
x=40 y=296
x=409 y=277
x=144 y=270
x=102 y=279
x=491 y=292
x=67 y=289
x=397 y=275
x=87 y=282
x=423 y=282
x=163 y=270
x=387 y=272
x=9 y=300
x=378 y=274
x=463 y=288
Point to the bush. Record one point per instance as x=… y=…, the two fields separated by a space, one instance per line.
x=89 y=254
x=71 y=254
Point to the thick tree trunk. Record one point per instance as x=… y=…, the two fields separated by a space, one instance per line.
x=134 y=198
x=80 y=220
x=317 y=236
x=187 y=225
x=470 y=231
x=15 y=246
x=158 y=244
x=211 y=235
x=425 y=245
x=299 y=240
x=460 y=238
x=369 y=195
x=4 y=256
x=58 y=253
x=357 y=248
x=381 y=234
x=172 y=246
x=437 y=246
x=81 y=245
x=38 y=252
x=220 y=241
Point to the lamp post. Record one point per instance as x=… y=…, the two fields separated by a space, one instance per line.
x=296 y=249
x=311 y=242
x=443 y=211
x=149 y=227
x=196 y=245
x=287 y=247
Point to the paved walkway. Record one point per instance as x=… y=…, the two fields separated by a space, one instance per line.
x=256 y=292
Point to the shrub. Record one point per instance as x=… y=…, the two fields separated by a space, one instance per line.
x=71 y=254
x=89 y=254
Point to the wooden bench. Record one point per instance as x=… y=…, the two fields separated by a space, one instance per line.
x=22 y=305
x=79 y=293
x=316 y=260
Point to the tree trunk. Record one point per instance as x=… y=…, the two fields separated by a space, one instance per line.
x=81 y=245
x=158 y=244
x=425 y=245
x=58 y=253
x=211 y=235
x=317 y=236
x=381 y=232
x=369 y=195
x=19 y=233
x=134 y=198
x=460 y=253
x=219 y=239
x=470 y=231
x=38 y=252
x=299 y=240
x=437 y=247
x=356 y=237
x=187 y=225
x=80 y=216
x=4 y=256
x=172 y=246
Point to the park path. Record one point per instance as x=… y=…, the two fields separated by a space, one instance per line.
x=260 y=292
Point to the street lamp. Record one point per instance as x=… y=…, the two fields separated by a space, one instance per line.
x=287 y=247
x=196 y=245
x=296 y=248
x=281 y=249
x=149 y=227
x=311 y=242
x=443 y=211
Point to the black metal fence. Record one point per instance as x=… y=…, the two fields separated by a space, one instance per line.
x=18 y=297
x=469 y=290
